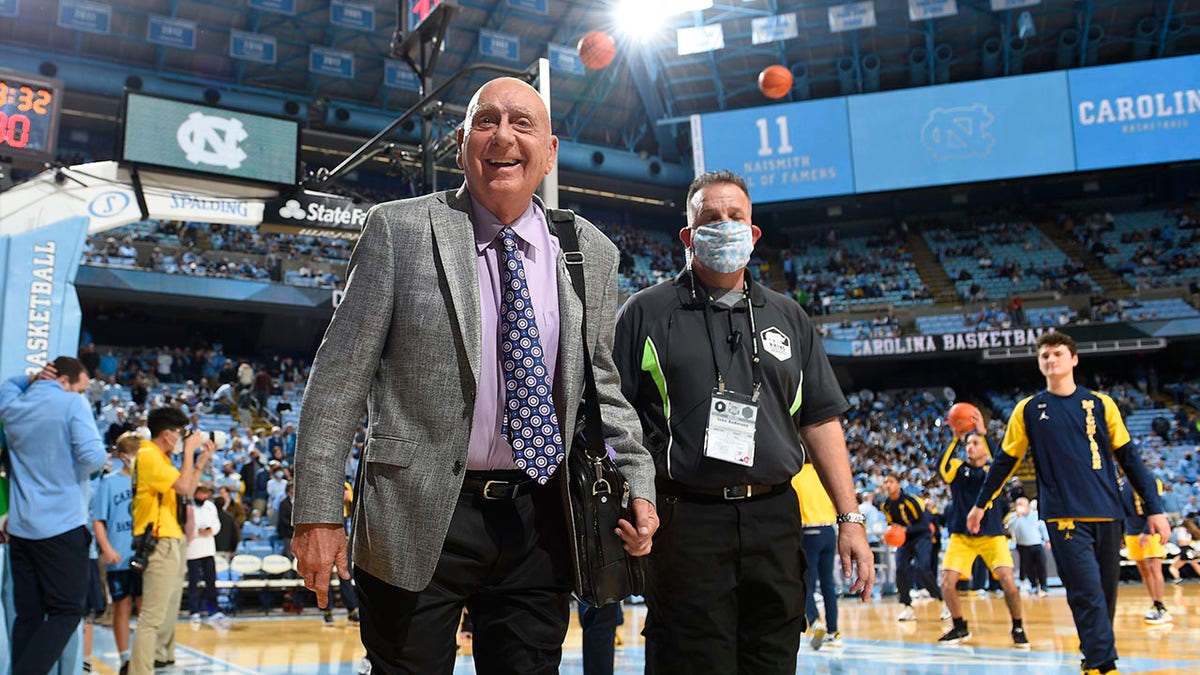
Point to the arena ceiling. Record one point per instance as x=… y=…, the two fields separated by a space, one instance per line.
x=641 y=101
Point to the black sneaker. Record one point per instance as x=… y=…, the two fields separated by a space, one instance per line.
x=353 y=617
x=163 y=664
x=125 y=668
x=954 y=636
x=1020 y=641
x=328 y=618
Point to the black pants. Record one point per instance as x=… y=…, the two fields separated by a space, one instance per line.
x=49 y=588
x=726 y=587
x=1033 y=564
x=506 y=561
x=202 y=569
x=914 y=558
x=599 y=626
x=1088 y=556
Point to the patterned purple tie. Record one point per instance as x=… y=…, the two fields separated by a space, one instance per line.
x=530 y=423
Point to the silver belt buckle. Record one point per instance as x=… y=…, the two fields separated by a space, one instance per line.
x=731 y=493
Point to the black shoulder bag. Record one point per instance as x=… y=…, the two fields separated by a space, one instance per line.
x=595 y=494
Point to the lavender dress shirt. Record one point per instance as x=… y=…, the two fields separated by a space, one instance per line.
x=489 y=450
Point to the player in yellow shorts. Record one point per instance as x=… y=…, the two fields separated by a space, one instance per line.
x=1147 y=550
x=965 y=479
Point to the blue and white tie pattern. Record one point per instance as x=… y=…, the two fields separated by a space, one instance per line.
x=530 y=423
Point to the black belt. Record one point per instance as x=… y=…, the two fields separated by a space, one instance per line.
x=729 y=493
x=498 y=485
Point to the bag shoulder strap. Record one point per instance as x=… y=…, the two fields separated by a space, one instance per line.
x=563 y=225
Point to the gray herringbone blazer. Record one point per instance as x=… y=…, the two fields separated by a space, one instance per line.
x=405 y=346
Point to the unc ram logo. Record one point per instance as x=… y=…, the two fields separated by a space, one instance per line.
x=958 y=133
x=212 y=140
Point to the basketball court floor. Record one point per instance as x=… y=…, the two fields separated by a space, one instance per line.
x=875 y=642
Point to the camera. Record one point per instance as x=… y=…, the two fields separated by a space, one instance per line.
x=219 y=438
x=143 y=546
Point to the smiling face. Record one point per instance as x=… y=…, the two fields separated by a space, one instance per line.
x=505 y=147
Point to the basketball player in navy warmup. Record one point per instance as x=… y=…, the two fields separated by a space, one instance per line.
x=1077 y=438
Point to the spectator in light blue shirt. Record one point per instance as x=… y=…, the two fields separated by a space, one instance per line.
x=53 y=447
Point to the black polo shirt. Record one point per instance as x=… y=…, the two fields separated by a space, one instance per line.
x=665 y=355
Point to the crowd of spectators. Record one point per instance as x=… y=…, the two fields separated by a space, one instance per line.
x=969 y=256
x=1153 y=250
x=827 y=273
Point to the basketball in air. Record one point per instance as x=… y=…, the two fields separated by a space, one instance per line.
x=895 y=535
x=961 y=418
x=596 y=49
x=775 y=81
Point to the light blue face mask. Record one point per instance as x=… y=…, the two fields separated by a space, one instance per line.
x=723 y=247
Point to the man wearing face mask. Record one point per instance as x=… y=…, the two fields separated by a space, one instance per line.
x=157 y=485
x=733 y=389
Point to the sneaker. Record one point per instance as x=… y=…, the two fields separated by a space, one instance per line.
x=1041 y=593
x=999 y=593
x=833 y=641
x=163 y=664
x=945 y=615
x=364 y=667
x=1177 y=581
x=124 y=669
x=219 y=621
x=196 y=619
x=954 y=636
x=907 y=614
x=1157 y=616
x=1020 y=641
x=982 y=592
x=328 y=617
x=818 y=634
x=353 y=616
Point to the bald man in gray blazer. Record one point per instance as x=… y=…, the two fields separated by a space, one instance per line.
x=445 y=515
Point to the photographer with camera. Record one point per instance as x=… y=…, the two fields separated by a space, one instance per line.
x=53 y=445
x=158 y=525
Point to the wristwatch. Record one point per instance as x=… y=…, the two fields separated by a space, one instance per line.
x=851 y=518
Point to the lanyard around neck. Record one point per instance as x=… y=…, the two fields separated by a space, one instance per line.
x=755 y=361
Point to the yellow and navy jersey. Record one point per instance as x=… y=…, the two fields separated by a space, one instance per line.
x=965 y=483
x=908 y=511
x=1077 y=442
x=1135 y=507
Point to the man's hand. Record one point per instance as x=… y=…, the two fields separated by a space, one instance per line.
x=637 y=541
x=318 y=547
x=48 y=372
x=974 y=519
x=853 y=548
x=1159 y=525
x=977 y=420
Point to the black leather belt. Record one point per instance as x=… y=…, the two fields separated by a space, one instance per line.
x=731 y=493
x=498 y=485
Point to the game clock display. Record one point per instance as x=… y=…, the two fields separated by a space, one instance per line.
x=29 y=109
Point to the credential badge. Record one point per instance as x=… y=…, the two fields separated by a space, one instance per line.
x=776 y=343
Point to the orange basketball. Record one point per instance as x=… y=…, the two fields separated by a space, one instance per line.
x=961 y=418
x=895 y=535
x=775 y=81
x=596 y=49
